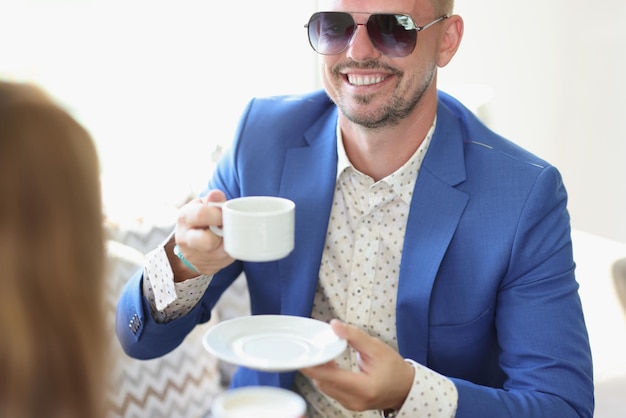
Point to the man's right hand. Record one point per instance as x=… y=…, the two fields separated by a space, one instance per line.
x=199 y=245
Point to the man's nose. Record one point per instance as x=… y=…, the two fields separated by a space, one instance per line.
x=361 y=47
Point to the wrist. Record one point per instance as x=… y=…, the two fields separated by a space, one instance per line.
x=178 y=253
x=179 y=269
x=389 y=413
x=408 y=378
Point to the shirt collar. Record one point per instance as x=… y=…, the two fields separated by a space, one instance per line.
x=402 y=180
x=342 y=158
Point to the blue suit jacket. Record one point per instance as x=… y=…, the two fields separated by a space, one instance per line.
x=486 y=295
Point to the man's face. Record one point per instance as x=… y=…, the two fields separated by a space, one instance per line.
x=372 y=89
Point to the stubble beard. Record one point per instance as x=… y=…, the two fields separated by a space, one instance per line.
x=393 y=112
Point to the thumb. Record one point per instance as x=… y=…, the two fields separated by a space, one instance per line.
x=214 y=196
x=358 y=339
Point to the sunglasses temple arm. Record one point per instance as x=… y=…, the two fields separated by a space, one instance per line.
x=426 y=26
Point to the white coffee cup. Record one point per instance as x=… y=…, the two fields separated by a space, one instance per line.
x=257 y=228
x=259 y=402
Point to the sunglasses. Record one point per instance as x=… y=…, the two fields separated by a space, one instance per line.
x=395 y=35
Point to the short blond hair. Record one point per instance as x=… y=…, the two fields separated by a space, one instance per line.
x=443 y=7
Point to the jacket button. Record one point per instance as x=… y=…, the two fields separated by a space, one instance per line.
x=134 y=324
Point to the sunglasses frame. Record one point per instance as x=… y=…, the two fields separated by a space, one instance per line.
x=407 y=22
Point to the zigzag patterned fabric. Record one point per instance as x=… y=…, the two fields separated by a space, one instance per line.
x=181 y=384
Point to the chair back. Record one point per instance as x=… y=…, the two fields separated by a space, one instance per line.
x=619 y=280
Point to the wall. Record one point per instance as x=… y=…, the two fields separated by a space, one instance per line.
x=161 y=83
x=556 y=70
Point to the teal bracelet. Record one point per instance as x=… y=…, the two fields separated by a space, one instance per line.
x=178 y=253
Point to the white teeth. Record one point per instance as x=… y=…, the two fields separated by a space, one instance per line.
x=358 y=80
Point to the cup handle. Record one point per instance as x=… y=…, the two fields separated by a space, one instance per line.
x=216 y=229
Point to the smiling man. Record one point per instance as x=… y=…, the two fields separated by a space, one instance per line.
x=439 y=250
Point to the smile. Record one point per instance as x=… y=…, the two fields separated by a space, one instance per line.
x=361 y=80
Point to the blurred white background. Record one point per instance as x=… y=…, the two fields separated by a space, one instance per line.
x=161 y=84
x=557 y=73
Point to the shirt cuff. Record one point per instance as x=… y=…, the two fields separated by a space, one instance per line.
x=159 y=273
x=432 y=395
x=169 y=300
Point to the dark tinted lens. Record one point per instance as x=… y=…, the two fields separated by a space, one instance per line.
x=393 y=35
x=330 y=32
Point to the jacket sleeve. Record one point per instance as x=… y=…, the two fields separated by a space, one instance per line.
x=544 y=346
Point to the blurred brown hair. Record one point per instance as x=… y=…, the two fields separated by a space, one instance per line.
x=52 y=330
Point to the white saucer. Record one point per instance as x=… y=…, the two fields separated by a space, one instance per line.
x=273 y=343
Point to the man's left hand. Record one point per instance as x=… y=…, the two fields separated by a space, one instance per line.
x=383 y=381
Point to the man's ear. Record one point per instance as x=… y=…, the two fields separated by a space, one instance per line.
x=452 y=33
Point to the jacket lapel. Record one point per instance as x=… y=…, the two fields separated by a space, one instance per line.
x=308 y=179
x=436 y=209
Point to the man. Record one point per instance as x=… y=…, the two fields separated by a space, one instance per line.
x=440 y=251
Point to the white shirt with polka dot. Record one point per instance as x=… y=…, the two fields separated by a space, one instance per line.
x=357 y=283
